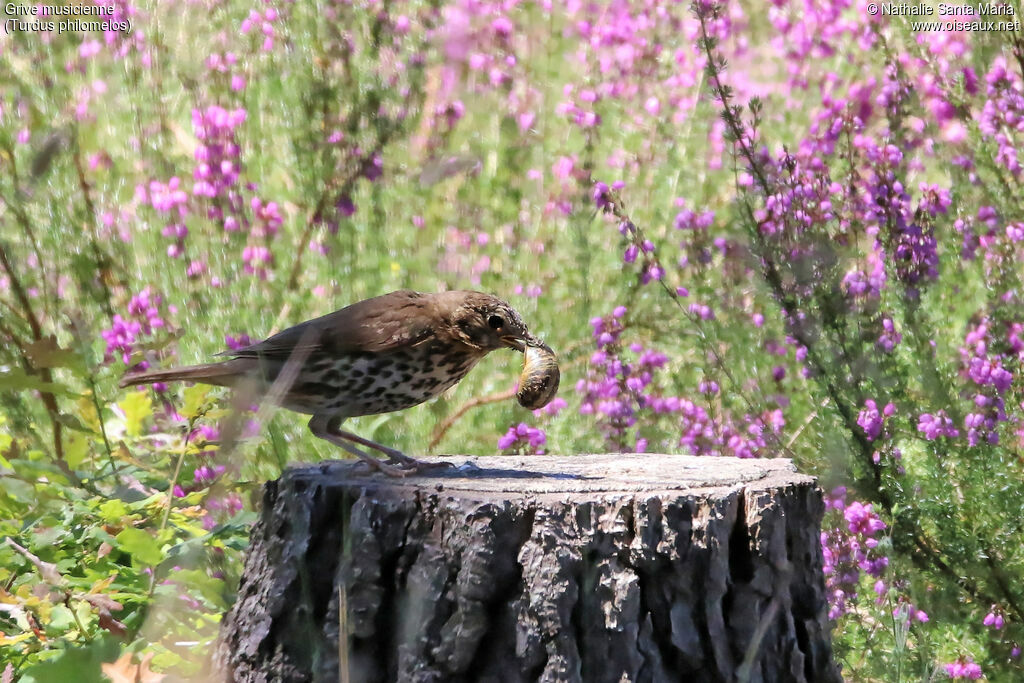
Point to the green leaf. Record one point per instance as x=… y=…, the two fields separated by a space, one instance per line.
x=20 y=491
x=196 y=400
x=81 y=665
x=75 y=449
x=112 y=511
x=45 y=353
x=61 y=619
x=5 y=443
x=212 y=589
x=72 y=422
x=137 y=406
x=36 y=468
x=17 y=379
x=143 y=548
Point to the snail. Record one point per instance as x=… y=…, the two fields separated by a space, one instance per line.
x=538 y=382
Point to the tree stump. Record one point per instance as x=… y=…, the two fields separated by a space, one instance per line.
x=587 y=568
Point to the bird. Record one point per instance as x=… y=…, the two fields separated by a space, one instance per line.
x=379 y=355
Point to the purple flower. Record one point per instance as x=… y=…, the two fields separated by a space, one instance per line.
x=217 y=167
x=239 y=342
x=267 y=218
x=143 y=318
x=890 y=338
x=373 y=168
x=862 y=520
x=563 y=168
x=523 y=438
x=121 y=336
x=258 y=260
x=553 y=408
x=651 y=272
x=934 y=426
x=708 y=387
x=851 y=549
x=702 y=311
x=345 y=206
x=871 y=420
x=994 y=619
x=963 y=670
x=205 y=475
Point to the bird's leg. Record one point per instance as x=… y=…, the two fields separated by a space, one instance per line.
x=324 y=427
x=398 y=464
x=394 y=455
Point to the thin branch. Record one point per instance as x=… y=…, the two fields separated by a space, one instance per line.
x=102 y=263
x=615 y=208
x=774 y=278
x=1004 y=587
x=933 y=556
x=805 y=425
x=307 y=235
x=49 y=400
x=475 y=402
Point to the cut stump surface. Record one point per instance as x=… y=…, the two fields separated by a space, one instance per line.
x=597 y=568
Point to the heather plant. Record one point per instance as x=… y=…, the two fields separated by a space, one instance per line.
x=781 y=230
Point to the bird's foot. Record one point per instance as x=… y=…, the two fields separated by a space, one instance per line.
x=398 y=464
x=370 y=464
x=391 y=470
x=403 y=466
x=414 y=466
x=400 y=459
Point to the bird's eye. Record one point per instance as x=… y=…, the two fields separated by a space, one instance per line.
x=496 y=322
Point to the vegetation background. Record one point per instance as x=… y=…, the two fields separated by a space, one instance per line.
x=750 y=229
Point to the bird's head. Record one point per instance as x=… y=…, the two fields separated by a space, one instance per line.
x=488 y=323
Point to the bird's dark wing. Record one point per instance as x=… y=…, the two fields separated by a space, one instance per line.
x=377 y=325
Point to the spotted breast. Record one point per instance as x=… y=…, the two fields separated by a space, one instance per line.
x=367 y=384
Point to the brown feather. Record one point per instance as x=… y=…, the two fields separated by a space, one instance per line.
x=223 y=374
x=383 y=323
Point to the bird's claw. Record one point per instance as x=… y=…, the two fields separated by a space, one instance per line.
x=413 y=466
x=404 y=467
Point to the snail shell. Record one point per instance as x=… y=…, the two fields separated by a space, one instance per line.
x=538 y=383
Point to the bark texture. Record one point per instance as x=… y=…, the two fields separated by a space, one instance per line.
x=585 y=568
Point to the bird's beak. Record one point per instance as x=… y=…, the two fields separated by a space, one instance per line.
x=521 y=342
x=514 y=341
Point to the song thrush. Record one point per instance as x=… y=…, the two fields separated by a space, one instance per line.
x=383 y=354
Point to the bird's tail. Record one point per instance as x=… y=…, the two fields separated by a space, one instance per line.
x=224 y=374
